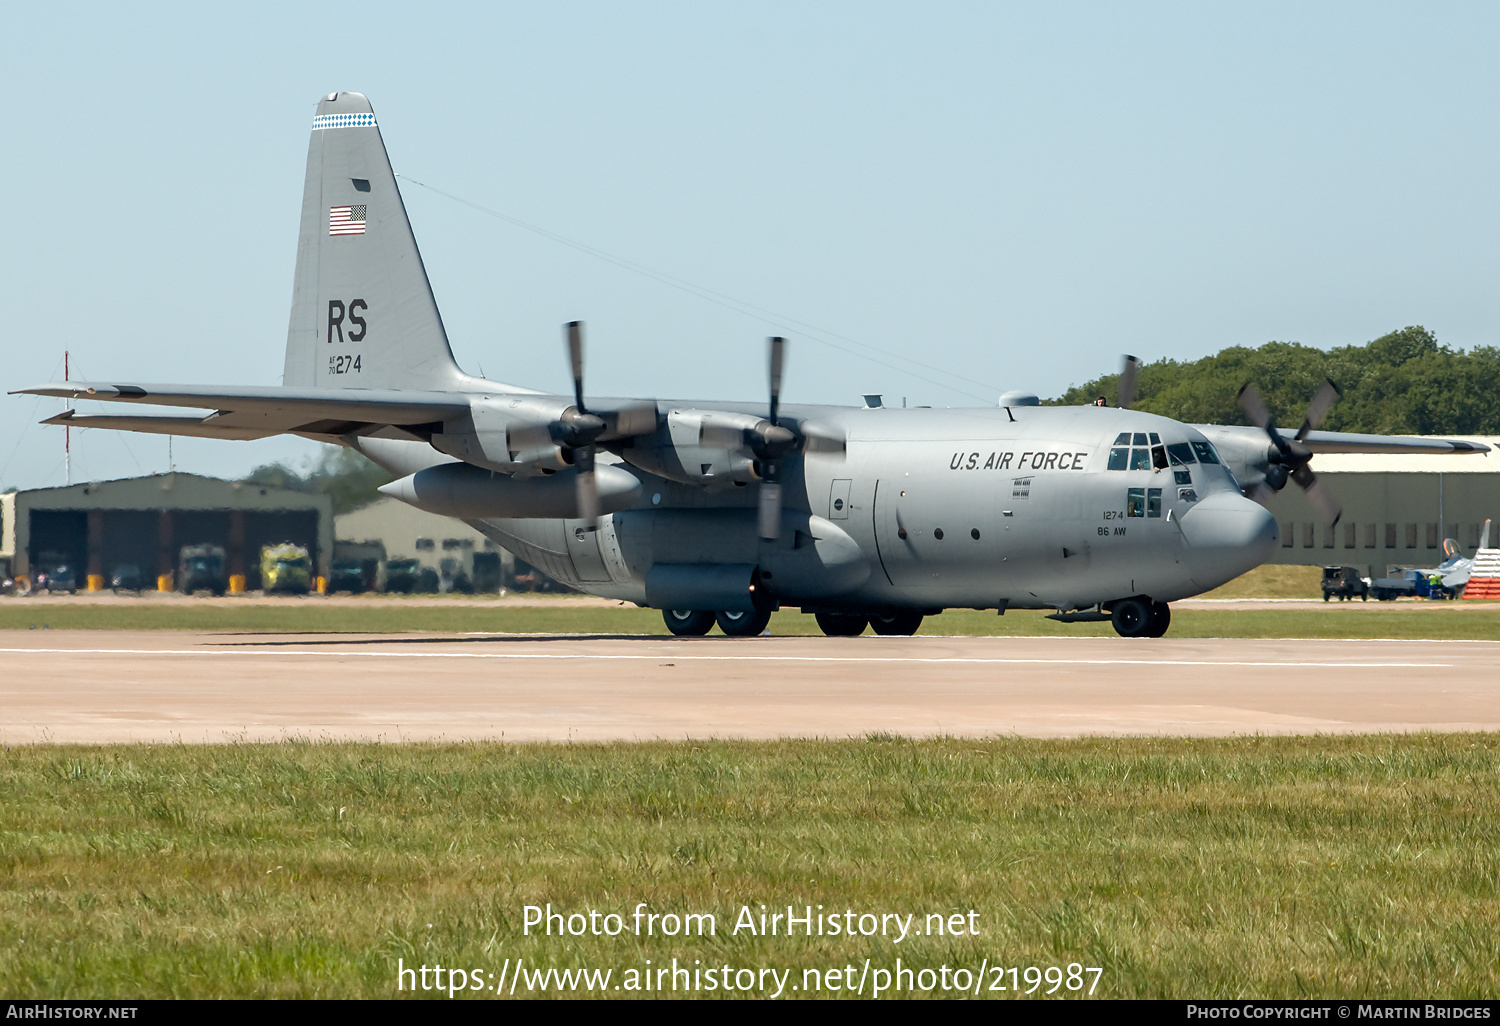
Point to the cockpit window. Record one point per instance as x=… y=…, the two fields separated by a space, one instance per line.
x=1140 y=438
x=1181 y=453
x=1123 y=438
x=1140 y=459
x=1119 y=459
x=1205 y=452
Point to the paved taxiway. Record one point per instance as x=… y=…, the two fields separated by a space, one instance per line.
x=104 y=686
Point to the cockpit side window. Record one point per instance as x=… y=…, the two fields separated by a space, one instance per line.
x=1181 y=454
x=1205 y=452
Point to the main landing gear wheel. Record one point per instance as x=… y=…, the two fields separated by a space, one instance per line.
x=1161 y=619
x=688 y=622
x=743 y=625
x=902 y=623
x=840 y=625
x=1140 y=618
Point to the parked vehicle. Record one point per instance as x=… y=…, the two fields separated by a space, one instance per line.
x=57 y=578
x=201 y=568
x=1411 y=582
x=401 y=576
x=347 y=576
x=127 y=577
x=1346 y=583
x=285 y=568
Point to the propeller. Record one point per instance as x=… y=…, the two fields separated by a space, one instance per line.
x=1289 y=458
x=1127 y=381
x=770 y=442
x=578 y=430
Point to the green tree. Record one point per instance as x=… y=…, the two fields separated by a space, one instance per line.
x=347 y=478
x=1403 y=382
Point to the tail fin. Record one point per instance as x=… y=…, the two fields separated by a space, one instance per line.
x=363 y=315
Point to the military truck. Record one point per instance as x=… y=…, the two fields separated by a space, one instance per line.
x=1345 y=583
x=201 y=568
x=285 y=568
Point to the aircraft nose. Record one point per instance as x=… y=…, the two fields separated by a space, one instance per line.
x=1227 y=534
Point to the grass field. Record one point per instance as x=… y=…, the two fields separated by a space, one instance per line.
x=1265 y=867
x=1441 y=620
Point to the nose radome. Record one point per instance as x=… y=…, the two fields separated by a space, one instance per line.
x=1227 y=534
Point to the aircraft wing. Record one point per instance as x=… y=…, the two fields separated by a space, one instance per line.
x=1345 y=441
x=244 y=413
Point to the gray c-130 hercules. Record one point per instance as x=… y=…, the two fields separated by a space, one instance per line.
x=726 y=511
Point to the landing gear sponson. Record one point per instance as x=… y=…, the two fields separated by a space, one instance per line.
x=1137 y=617
x=698 y=622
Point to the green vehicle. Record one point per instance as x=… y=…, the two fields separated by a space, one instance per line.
x=201 y=568
x=285 y=568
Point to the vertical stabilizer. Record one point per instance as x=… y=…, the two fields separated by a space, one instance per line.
x=363 y=315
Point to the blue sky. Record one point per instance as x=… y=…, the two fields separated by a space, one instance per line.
x=975 y=196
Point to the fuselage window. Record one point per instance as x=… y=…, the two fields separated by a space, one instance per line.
x=1135 y=502
x=1181 y=453
x=1153 y=502
x=1205 y=452
x=1119 y=459
x=1183 y=477
x=1140 y=459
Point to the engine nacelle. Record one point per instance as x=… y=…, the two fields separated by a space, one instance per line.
x=674 y=453
x=510 y=434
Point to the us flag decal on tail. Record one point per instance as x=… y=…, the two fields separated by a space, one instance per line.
x=347 y=220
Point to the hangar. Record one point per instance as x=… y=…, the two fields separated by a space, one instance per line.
x=145 y=522
x=1397 y=509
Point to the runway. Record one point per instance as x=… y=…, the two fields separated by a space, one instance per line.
x=157 y=686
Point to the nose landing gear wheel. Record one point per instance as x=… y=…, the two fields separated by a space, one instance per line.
x=743 y=625
x=902 y=623
x=840 y=625
x=688 y=622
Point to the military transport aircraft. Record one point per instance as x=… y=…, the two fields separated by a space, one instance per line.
x=722 y=512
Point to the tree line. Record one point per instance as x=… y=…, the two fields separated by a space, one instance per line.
x=1403 y=383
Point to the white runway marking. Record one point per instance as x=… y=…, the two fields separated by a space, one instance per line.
x=762 y=656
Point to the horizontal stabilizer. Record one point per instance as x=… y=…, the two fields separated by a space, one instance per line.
x=269 y=411
x=196 y=427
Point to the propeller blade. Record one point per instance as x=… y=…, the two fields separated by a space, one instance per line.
x=1249 y=400
x=1327 y=395
x=1318 y=494
x=770 y=510
x=575 y=357
x=588 y=486
x=778 y=359
x=1127 y=381
x=1262 y=493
